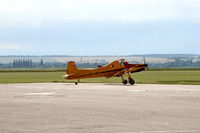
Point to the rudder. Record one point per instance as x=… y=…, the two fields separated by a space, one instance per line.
x=71 y=68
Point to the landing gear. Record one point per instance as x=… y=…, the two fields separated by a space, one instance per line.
x=130 y=80
x=76 y=83
x=125 y=81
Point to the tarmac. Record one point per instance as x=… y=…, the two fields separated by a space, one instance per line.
x=99 y=108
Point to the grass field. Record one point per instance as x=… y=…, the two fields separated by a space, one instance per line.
x=156 y=76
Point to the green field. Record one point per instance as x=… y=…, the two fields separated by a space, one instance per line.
x=155 y=76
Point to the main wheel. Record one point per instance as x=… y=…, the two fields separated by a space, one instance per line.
x=131 y=81
x=125 y=81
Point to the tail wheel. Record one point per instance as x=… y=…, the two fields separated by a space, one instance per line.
x=76 y=83
x=131 y=81
x=125 y=81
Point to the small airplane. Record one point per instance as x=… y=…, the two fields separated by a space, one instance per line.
x=116 y=68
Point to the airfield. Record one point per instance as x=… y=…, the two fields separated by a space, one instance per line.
x=99 y=108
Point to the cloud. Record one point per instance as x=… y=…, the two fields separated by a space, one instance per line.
x=37 y=13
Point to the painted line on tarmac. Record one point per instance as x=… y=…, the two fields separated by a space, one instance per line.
x=137 y=90
x=40 y=93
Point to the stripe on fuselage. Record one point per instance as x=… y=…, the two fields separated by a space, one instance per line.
x=90 y=74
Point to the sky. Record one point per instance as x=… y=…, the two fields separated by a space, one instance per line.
x=99 y=27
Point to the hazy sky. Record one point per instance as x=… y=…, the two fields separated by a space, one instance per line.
x=99 y=27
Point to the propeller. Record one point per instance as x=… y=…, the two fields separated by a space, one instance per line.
x=146 y=65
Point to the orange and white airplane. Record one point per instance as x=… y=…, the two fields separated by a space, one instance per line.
x=115 y=69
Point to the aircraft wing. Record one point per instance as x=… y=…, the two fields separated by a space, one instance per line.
x=120 y=73
x=117 y=74
x=135 y=69
x=125 y=70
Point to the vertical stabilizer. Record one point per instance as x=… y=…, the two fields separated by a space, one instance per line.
x=71 y=68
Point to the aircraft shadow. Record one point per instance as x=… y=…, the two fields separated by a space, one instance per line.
x=117 y=84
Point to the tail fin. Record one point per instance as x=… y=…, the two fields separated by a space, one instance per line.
x=71 y=68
